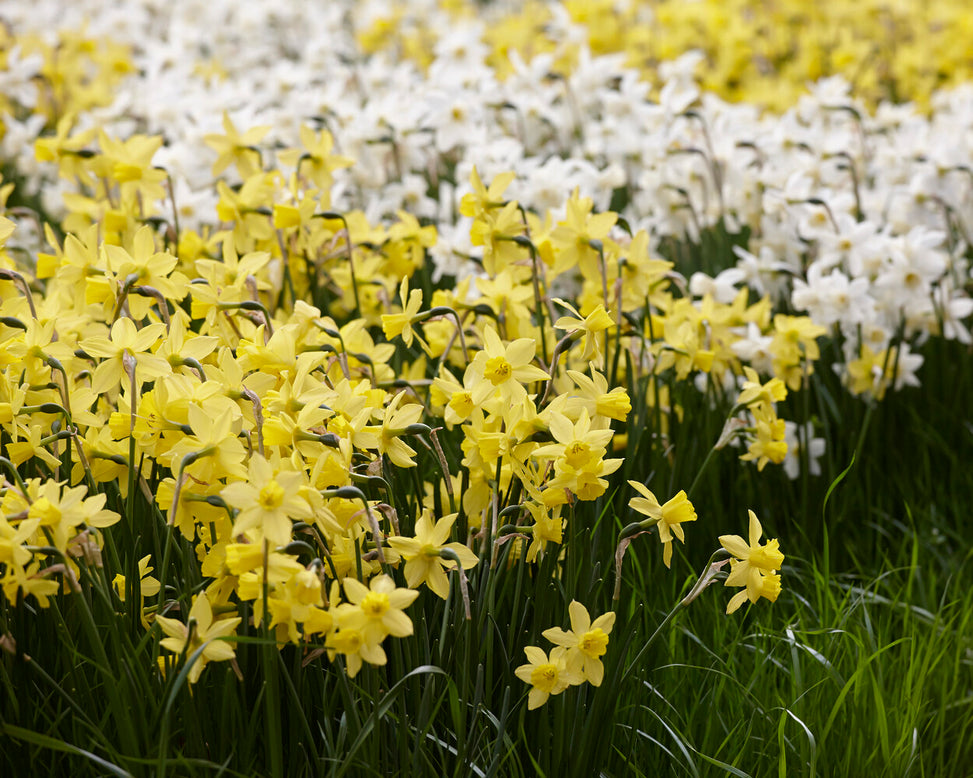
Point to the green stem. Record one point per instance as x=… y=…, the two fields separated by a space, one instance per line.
x=699 y=473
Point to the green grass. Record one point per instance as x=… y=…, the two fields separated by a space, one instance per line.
x=867 y=676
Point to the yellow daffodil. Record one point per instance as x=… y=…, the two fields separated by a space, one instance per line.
x=505 y=368
x=767 y=444
x=495 y=231
x=548 y=527
x=125 y=341
x=317 y=162
x=596 y=398
x=423 y=564
x=578 y=444
x=381 y=606
x=236 y=148
x=30 y=580
x=754 y=392
x=269 y=501
x=478 y=203
x=587 y=639
x=145 y=586
x=201 y=630
x=387 y=439
x=754 y=566
x=549 y=675
x=590 y=326
x=351 y=641
x=669 y=517
x=575 y=235
x=400 y=324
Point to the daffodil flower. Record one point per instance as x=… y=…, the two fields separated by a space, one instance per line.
x=387 y=439
x=400 y=324
x=478 y=203
x=594 y=396
x=549 y=675
x=200 y=631
x=126 y=340
x=587 y=639
x=423 y=564
x=756 y=393
x=381 y=607
x=236 y=148
x=754 y=566
x=505 y=368
x=669 y=517
x=596 y=322
x=317 y=162
x=768 y=444
x=268 y=501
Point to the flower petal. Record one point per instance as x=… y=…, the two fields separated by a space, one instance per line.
x=580 y=620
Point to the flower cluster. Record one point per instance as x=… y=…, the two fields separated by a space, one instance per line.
x=48 y=528
x=259 y=322
x=849 y=213
x=753 y=566
x=576 y=657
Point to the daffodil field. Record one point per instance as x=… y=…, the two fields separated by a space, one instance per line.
x=438 y=387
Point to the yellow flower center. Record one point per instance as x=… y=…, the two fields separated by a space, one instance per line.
x=307 y=588
x=339 y=425
x=271 y=496
x=577 y=454
x=589 y=486
x=544 y=677
x=126 y=172
x=594 y=643
x=497 y=370
x=347 y=641
x=767 y=557
x=770 y=586
x=678 y=510
x=46 y=511
x=462 y=404
x=375 y=604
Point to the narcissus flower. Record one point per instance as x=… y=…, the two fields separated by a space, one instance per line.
x=589 y=327
x=586 y=639
x=548 y=527
x=505 y=368
x=387 y=439
x=125 y=340
x=317 y=161
x=479 y=202
x=380 y=605
x=268 y=501
x=549 y=675
x=423 y=564
x=754 y=566
x=594 y=395
x=756 y=393
x=236 y=148
x=767 y=444
x=394 y=324
x=200 y=631
x=669 y=517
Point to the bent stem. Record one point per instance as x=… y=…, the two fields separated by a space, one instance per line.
x=710 y=574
